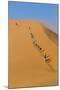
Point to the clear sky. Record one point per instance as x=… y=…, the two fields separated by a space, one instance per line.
x=43 y=12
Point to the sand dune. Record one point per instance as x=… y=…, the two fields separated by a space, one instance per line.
x=27 y=66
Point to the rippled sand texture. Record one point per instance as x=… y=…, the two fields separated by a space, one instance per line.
x=27 y=67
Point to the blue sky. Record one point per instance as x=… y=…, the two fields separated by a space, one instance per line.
x=43 y=12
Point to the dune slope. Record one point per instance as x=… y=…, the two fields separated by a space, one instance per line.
x=27 y=66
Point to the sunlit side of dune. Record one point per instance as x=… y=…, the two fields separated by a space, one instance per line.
x=27 y=67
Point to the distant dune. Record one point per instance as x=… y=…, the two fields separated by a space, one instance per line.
x=51 y=35
x=27 y=66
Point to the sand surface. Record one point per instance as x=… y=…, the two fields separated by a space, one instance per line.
x=27 y=67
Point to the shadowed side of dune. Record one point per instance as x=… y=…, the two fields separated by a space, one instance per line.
x=51 y=35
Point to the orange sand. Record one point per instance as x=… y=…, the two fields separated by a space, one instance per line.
x=26 y=65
